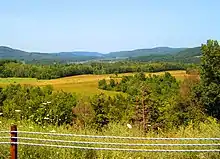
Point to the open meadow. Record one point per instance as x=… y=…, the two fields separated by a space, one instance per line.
x=81 y=84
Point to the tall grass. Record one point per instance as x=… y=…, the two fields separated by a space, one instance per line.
x=208 y=129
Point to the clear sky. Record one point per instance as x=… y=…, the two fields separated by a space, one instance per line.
x=107 y=25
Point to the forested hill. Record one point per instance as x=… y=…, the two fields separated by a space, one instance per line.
x=153 y=54
x=145 y=52
x=190 y=52
x=9 y=53
x=189 y=55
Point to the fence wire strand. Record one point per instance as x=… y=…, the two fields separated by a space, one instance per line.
x=109 y=149
x=109 y=137
x=108 y=143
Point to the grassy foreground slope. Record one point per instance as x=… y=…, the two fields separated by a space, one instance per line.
x=204 y=130
x=81 y=84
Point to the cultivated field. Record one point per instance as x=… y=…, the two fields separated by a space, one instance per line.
x=81 y=84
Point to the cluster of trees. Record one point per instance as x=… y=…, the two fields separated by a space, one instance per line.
x=39 y=105
x=157 y=101
x=10 y=68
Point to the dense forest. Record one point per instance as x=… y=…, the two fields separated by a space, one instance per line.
x=150 y=102
x=12 y=68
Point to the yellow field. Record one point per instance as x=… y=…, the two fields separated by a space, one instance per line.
x=81 y=84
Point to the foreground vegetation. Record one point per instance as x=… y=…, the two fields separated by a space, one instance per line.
x=209 y=129
x=155 y=105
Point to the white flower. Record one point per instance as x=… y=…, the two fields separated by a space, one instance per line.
x=44 y=103
x=48 y=102
x=46 y=118
x=129 y=126
x=148 y=125
x=17 y=111
x=1 y=114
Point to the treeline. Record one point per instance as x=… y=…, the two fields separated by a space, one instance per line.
x=10 y=68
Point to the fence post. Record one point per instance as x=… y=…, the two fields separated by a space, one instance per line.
x=14 y=146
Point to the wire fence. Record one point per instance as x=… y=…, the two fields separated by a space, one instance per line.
x=107 y=137
x=14 y=140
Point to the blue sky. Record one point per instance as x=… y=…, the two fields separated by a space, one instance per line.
x=104 y=26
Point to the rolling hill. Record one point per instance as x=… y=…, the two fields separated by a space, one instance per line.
x=9 y=53
x=153 y=54
x=145 y=52
x=190 y=52
x=189 y=55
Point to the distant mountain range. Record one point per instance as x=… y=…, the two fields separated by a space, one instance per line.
x=188 y=55
x=139 y=54
x=145 y=52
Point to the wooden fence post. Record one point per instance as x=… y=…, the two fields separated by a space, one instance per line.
x=14 y=146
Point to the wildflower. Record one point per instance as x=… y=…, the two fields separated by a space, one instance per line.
x=17 y=111
x=46 y=118
x=48 y=102
x=1 y=114
x=44 y=103
x=129 y=126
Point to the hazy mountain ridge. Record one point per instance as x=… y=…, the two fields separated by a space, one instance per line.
x=189 y=55
x=160 y=53
x=145 y=52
